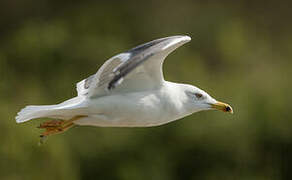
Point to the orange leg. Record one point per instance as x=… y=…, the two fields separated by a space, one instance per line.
x=57 y=126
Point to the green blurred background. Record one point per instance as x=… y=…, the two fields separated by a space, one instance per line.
x=240 y=53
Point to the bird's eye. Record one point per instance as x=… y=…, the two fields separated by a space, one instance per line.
x=198 y=95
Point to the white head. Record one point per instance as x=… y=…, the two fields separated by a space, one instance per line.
x=199 y=100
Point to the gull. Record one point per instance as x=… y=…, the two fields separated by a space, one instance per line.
x=129 y=90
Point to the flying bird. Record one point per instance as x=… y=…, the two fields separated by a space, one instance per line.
x=128 y=90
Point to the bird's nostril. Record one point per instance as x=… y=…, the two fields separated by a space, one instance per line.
x=228 y=109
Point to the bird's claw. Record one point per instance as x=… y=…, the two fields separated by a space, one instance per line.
x=53 y=127
x=42 y=140
x=56 y=126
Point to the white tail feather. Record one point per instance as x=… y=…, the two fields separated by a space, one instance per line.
x=64 y=110
x=32 y=112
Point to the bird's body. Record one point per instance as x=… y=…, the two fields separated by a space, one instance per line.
x=128 y=91
x=137 y=109
x=131 y=109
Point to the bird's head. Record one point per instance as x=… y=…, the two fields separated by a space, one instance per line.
x=199 y=100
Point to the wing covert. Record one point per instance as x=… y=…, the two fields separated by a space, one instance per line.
x=138 y=69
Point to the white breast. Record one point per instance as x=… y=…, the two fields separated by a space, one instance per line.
x=139 y=109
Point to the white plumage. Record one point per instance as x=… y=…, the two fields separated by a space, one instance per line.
x=129 y=90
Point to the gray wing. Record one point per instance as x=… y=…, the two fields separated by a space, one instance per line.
x=138 y=69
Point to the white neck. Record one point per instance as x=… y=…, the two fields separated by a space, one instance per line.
x=178 y=100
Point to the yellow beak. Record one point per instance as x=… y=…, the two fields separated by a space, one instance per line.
x=222 y=107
